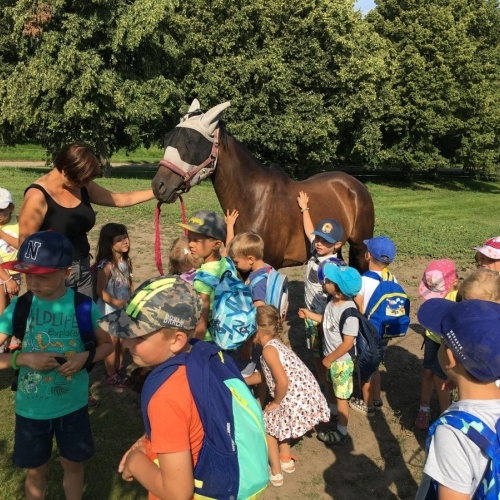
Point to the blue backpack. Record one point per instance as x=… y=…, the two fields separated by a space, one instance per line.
x=233 y=312
x=389 y=306
x=487 y=440
x=367 y=353
x=276 y=289
x=232 y=463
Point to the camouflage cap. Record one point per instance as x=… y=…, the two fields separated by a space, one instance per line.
x=208 y=223
x=165 y=301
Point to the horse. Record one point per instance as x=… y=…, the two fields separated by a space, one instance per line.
x=265 y=197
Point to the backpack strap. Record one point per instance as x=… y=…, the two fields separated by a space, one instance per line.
x=386 y=275
x=351 y=312
x=20 y=315
x=210 y=279
x=154 y=381
x=83 y=310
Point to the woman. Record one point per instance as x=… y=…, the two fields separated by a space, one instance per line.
x=61 y=201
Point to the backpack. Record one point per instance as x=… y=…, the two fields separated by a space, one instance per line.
x=487 y=440
x=367 y=353
x=321 y=267
x=389 y=306
x=233 y=312
x=83 y=312
x=276 y=289
x=232 y=463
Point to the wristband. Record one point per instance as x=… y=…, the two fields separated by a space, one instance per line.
x=11 y=278
x=304 y=209
x=13 y=360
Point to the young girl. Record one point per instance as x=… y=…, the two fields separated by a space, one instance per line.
x=297 y=405
x=483 y=284
x=181 y=261
x=114 y=287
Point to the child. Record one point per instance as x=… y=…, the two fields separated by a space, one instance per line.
x=114 y=287
x=342 y=283
x=297 y=405
x=439 y=281
x=327 y=240
x=483 y=284
x=488 y=255
x=52 y=361
x=470 y=356
x=180 y=260
x=380 y=252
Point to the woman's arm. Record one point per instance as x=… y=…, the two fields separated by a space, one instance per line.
x=32 y=214
x=272 y=359
x=101 y=196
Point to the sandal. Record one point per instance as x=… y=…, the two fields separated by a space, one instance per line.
x=115 y=381
x=275 y=479
x=333 y=437
x=288 y=463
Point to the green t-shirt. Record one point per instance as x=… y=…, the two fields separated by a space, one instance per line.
x=51 y=327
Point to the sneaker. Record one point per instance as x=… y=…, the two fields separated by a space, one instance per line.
x=275 y=479
x=115 y=381
x=422 y=420
x=359 y=406
x=378 y=404
x=333 y=437
x=92 y=402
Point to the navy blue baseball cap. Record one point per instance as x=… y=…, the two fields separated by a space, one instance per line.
x=382 y=248
x=330 y=230
x=470 y=329
x=41 y=253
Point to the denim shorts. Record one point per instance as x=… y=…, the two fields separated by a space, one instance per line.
x=33 y=439
x=431 y=361
x=81 y=277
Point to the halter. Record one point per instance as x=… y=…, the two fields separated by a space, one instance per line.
x=193 y=171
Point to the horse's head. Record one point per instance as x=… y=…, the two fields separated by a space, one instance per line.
x=190 y=152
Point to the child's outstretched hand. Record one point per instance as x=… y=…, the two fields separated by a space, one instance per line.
x=303 y=200
x=230 y=217
x=303 y=313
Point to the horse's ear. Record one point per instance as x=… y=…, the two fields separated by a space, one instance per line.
x=195 y=106
x=211 y=117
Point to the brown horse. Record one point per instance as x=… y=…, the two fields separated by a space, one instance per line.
x=265 y=197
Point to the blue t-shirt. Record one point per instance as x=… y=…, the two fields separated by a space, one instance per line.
x=51 y=327
x=259 y=290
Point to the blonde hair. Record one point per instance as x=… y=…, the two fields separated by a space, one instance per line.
x=483 y=284
x=246 y=244
x=269 y=320
x=180 y=259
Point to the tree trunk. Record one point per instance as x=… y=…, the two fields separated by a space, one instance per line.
x=103 y=155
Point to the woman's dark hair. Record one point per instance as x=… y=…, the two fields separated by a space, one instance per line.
x=105 y=245
x=78 y=162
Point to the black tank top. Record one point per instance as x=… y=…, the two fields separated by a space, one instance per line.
x=74 y=223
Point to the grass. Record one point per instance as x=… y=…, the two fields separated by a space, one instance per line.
x=426 y=220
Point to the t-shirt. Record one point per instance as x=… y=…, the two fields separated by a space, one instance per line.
x=8 y=252
x=453 y=297
x=314 y=296
x=175 y=421
x=118 y=285
x=259 y=290
x=51 y=327
x=331 y=330
x=453 y=459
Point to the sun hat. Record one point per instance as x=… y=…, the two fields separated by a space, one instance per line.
x=382 y=248
x=470 y=329
x=438 y=279
x=5 y=198
x=208 y=223
x=345 y=277
x=42 y=253
x=330 y=230
x=490 y=248
x=166 y=301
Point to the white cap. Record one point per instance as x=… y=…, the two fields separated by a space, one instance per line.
x=5 y=198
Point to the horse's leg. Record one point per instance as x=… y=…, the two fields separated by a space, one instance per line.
x=362 y=229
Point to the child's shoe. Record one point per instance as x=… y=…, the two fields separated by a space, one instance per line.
x=275 y=479
x=333 y=437
x=359 y=406
x=378 y=404
x=422 y=420
x=288 y=464
x=115 y=381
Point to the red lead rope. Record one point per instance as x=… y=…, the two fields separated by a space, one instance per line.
x=158 y=260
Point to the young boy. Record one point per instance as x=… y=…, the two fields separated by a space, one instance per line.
x=161 y=318
x=327 y=240
x=488 y=255
x=53 y=383
x=342 y=283
x=380 y=252
x=470 y=357
x=10 y=282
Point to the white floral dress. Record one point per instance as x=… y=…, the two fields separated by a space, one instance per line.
x=303 y=406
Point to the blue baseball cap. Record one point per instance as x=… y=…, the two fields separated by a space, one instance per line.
x=42 y=253
x=345 y=277
x=382 y=248
x=330 y=230
x=470 y=329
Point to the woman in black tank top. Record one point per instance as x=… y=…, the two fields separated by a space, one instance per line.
x=61 y=201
